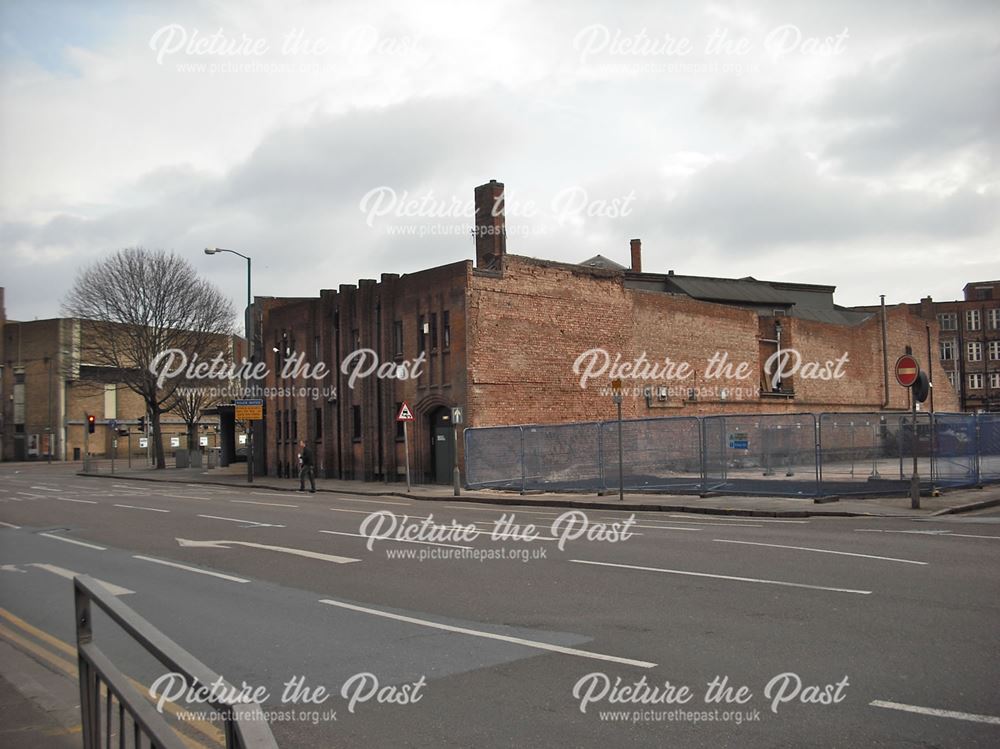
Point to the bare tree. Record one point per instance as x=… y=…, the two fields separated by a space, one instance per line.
x=140 y=303
x=192 y=397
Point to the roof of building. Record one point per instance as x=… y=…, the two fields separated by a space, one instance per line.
x=806 y=301
x=599 y=261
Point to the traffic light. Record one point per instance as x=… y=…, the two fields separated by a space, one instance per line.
x=142 y=424
x=91 y=422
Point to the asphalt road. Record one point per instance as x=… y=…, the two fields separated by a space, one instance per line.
x=887 y=621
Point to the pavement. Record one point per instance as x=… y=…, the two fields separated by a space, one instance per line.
x=951 y=501
x=479 y=624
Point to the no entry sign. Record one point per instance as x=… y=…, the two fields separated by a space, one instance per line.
x=907 y=370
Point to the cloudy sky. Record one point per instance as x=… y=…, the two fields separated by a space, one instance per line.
x=850 y=143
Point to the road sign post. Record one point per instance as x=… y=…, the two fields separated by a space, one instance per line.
x=249 y=410
x=616 y=390
x=456 y=421
x=907 y=375
x=405 y=415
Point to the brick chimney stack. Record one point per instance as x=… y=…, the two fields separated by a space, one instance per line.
x=491 y=231
x=636 y=255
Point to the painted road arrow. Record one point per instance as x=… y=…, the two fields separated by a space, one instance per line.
x=283 y=549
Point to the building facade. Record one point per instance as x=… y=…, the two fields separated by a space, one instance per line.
x=507 y=339
x=968 y=348
x=49 y=385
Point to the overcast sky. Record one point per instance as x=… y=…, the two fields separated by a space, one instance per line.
x=851 y=143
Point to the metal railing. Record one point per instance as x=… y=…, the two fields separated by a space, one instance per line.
x=125 y=708
x=796 y=455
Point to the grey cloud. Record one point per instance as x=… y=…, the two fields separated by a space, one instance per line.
x=920 y=106
x=777 y=197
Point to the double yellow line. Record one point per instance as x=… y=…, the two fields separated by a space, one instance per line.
x=47 y=648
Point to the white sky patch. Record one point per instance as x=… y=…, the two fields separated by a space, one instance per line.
x=109 y=140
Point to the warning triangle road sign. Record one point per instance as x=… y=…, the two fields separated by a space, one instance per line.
x=405 y=414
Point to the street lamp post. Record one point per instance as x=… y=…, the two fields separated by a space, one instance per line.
x=250 y=339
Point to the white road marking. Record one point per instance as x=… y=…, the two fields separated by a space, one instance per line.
x=935 y=712
x=666 y=527
x=80 y=501
x=510 y=509
x=269 y=504
x=729 y=519
x=723 y=577
x=73 y=541
x=182 y=496
x=46 y=489
x=190 y=569
x=688 y=522
x=818 y=551
x=12 y=499
x=398 y=541
x=368 y=512
x=238 y=520
x=12 y=568
x=949 y=534
x=137 y=507
x=374 y=501
x=10 y=525
x=115 y=590
x=490 y=635
x=284 y=549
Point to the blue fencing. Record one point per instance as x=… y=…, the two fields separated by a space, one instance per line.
x=795 y=455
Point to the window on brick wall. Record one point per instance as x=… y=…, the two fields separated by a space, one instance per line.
x=356 y=423
x=446 y=329
x=994 y=380
x=421 y=333
x=948 y=321
x=974 y=350
x=318 y=428
x=994 y=350
x=972 y=320
x=317 y=350
x=278 y=429
x=397 y=338
x=948 y=349
x=993 y=318
x=953 y=379
x=295 y=424
x=976 y=381
x=434 y=331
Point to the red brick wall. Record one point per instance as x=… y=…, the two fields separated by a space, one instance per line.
x=528 y=327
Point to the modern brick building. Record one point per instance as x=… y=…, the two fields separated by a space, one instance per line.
x=968 y=350
x=48 y=385
x=500 y=338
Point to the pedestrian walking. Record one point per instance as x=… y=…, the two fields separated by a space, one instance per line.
x=307 y=467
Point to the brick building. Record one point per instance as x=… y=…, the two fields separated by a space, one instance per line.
x=499 y=338
x=48 y=386
x=968 y=351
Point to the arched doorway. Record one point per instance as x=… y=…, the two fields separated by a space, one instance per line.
x=442 y=445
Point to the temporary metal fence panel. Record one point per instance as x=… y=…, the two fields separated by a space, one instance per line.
x=658 y=455
x=494 y=458
x=777 y=454
x=988 y=443
x=954 y=449
x=771 y=454
x=562 y=457
x=872 y=453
